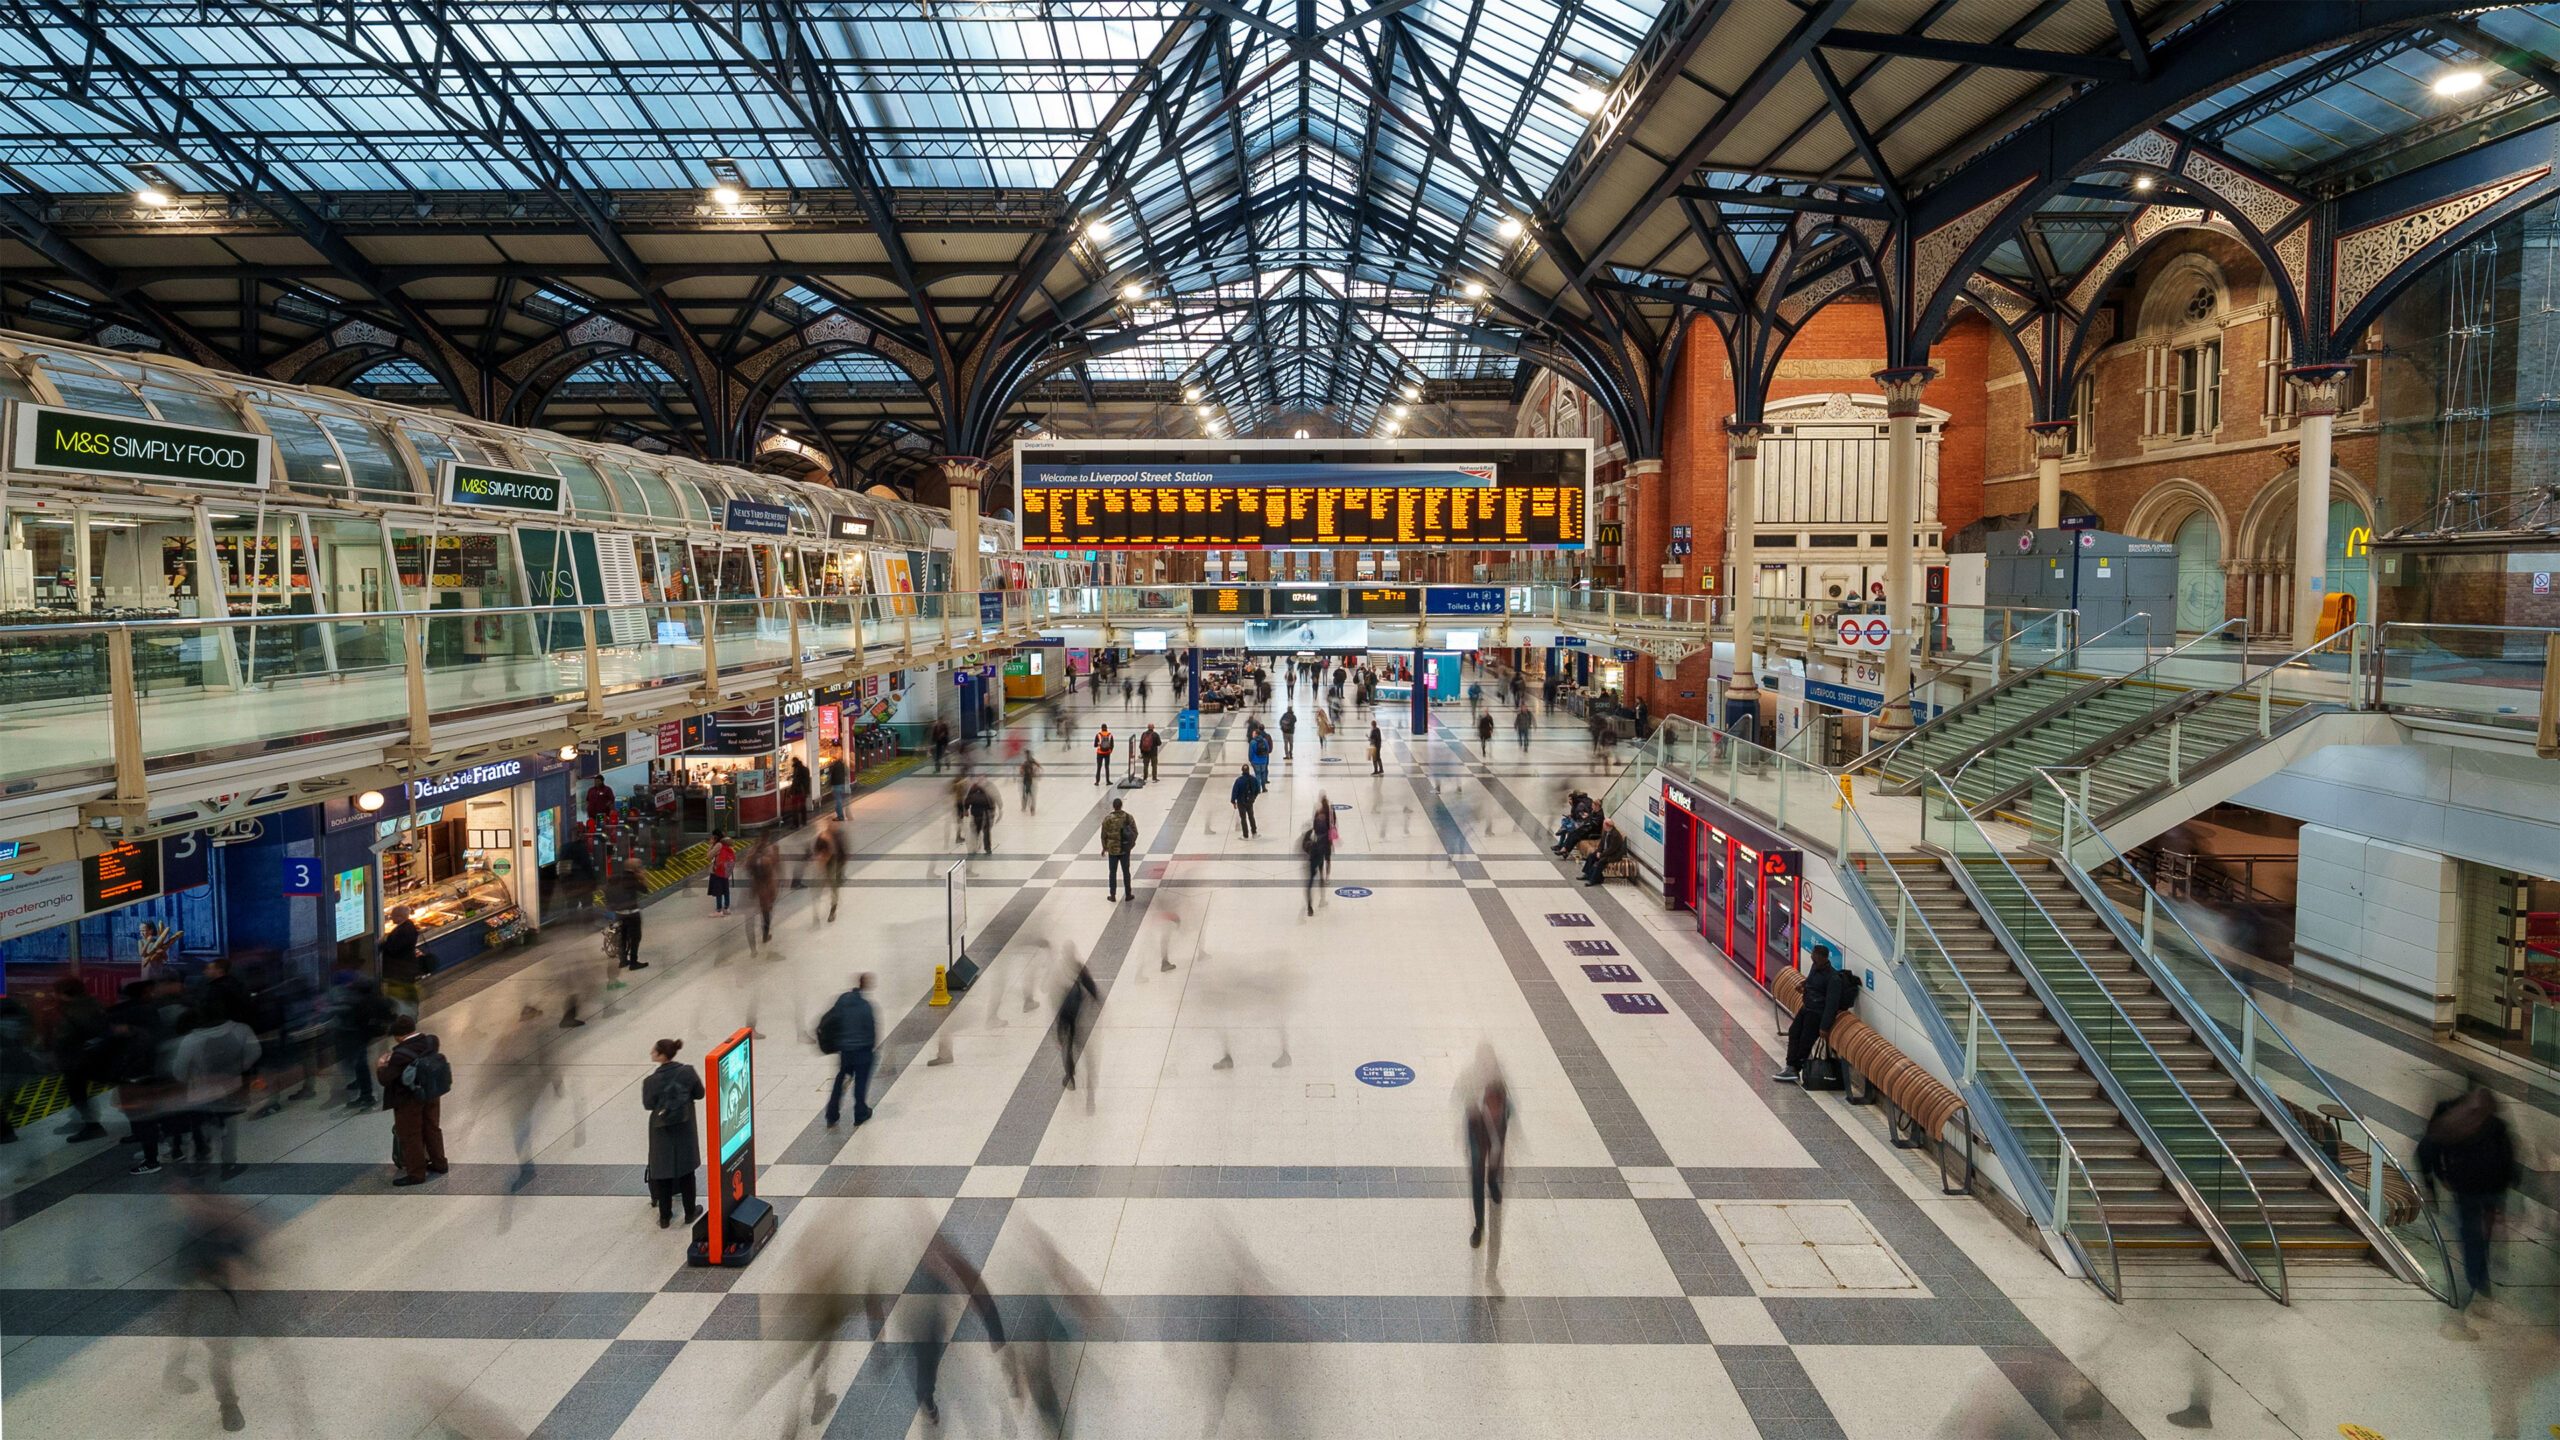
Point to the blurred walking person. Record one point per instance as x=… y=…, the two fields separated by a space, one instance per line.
x=214 y=1063
x=980 y=802
x=2470 y=1151
x=850 y=1031
x=958 y=1277
x=670 y=1095
x=764 y=882
x=1520 y=724
x=1030 y=784
x=1488 y=1128
x=622 y=896
x=80 y=1049
x=1317 y=846
x=828 y=851
x=1484 y=733
x=1073 y=1025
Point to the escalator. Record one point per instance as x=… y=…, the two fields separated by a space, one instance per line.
x=2147 y=1215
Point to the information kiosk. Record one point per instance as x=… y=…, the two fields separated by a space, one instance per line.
x=737 y=1223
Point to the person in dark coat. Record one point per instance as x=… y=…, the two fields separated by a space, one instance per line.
x=673 y=1097
x=1247 y=788
x=1611 y=850
x=82 y=1048
x=1827 y=992
x=2469 y=1149
x=850 y=1031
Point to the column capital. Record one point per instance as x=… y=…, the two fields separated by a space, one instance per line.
x=2052 y=437
x=1745 y=438
x=963 y=471
x=1643 y=467
x=1902 y=387
x=2315 y=387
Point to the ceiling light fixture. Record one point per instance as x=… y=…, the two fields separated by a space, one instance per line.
x=1402 y=412
x=1413 y=392
x=1297 y=434
x=156 y=188
x=1191 y=393
x=1392 y=427
x=1133 y=291
x=369 y=801
x=1204 y=412
x=1098 y=229
x=150 y=196
x=726 y=195
x=2459 y=82
x=2143 y=182
x=1584 y=99
x=728 y=185
x=1475 y=289
x=1510 y=227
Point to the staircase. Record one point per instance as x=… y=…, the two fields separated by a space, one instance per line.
x=2199 y=731
x=1952 y=738
x=2101 y=715
x=2308 y=1222
x=2146 y=1215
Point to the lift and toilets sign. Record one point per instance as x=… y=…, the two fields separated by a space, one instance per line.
x=47 y=439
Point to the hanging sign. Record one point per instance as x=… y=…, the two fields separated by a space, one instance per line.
x=488 y=488
x=51 y=439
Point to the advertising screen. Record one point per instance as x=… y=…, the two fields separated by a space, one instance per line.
x=737 y=1082
x=1247 y=494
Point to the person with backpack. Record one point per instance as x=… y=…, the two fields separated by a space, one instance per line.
x=1103 y=745
x=1119 y=838
x=2468 y=1148
x=1828 y=994
x=1289 y=733
x=415 y=1079
x=980 y=802
x=850 y=1031
x=671 y=1095
x=1150 y=745
x=1261 y=751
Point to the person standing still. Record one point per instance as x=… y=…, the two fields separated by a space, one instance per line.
x=1520 y=724
x=1260 y=748
x=1289 y=733
x=941 y=743
x=415 y=1078
x=2471 y=1152
x=724 y=858
x=1128 y=694
x=1142 y=694
x=1103 y=745
x=850 y=1031
x=675 y=1138
x=1119 y=838
x=1243 y=794
x=1377 y=750
x=1150 y=746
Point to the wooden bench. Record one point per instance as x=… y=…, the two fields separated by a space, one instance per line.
x=1918 y=1105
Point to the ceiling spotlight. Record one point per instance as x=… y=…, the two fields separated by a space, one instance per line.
x=1204 y=412
x=1510 y=227
x=149 y=195
x=726 y=195
x=1133 y=291
x=2459 y=82
x=2143 y=182
x=1475 y=289
x=1392 y=427
x=1402 y=412
x=568 y=752
x=1297 y=434
x=728 y=185
x=156 y=188
x=1413 y=392
x=1191 y=393
x=369 y=801
x=1098 y=229
x=1585 y=99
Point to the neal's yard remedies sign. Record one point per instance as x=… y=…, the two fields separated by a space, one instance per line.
x=76 y=441
x=492 y=489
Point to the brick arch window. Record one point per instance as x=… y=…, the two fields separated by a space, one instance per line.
x=2180 y=332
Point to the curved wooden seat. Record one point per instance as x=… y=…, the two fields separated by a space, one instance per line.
x=1925 y=1102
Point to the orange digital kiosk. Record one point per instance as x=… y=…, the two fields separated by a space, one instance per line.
x=736 y=1224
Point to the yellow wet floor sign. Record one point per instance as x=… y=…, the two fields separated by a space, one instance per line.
x=2358 y=1432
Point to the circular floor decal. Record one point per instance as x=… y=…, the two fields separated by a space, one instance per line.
x=1385 y=1074
x=1352 y=892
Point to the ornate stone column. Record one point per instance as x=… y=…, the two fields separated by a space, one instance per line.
x=964 y=473
x=1742 y=567
x=2052 y=437
x=1902 y=390
x=2315 y=390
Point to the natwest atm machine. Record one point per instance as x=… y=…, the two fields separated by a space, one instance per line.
x=1745 y=883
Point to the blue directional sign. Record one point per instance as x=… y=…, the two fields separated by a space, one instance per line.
x=1385 y=1074
x=1465 y=600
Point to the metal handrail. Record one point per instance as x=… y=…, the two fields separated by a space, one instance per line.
x=2173 y=1168
x=2128 y=678
x=1877 y=761
x=77 y=625
x=1999 y=676
x=2256 y=1027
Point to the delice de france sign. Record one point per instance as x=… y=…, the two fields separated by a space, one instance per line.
x=53 y=439
x=493 y=489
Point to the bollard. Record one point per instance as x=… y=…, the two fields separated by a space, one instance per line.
x=941 y=986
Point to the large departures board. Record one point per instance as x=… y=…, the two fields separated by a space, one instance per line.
x=1245 y=494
